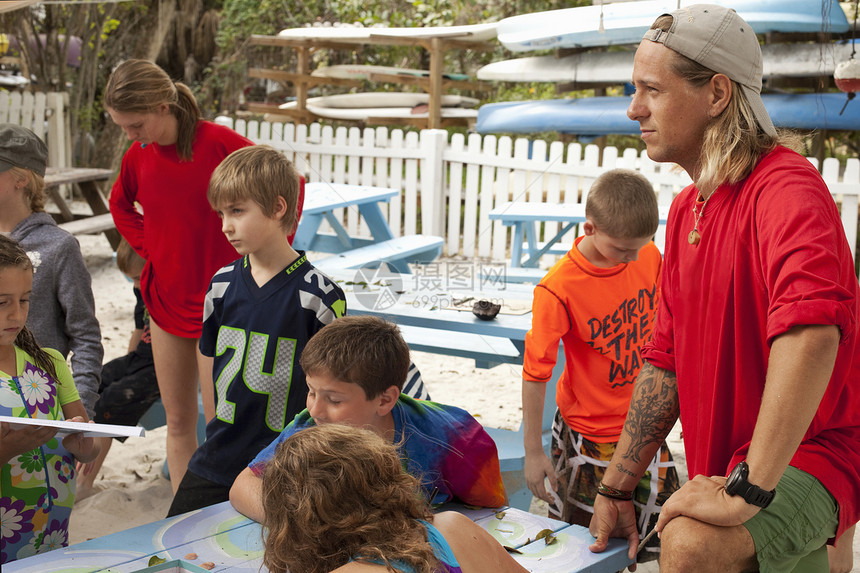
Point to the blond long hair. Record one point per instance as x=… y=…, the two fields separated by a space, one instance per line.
x=733 y=142
x=13 y=256
x=34 y=187
x=140 y=86
x=333 y=494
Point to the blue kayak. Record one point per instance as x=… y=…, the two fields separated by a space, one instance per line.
x=604 y=115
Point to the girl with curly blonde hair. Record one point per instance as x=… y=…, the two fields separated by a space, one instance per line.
x=336 y=498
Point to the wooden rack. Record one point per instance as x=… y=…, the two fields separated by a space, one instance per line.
x=434 y=84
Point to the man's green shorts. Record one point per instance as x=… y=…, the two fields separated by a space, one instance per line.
x=790 y=533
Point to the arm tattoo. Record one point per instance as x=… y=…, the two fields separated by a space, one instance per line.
x=654 y=408
x=620 y=467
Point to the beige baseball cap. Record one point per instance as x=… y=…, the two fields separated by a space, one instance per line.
x=717 y=38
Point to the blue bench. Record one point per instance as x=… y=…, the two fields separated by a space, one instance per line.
x=397 y=253
x=486 y=351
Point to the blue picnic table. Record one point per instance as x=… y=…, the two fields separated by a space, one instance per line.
x=525 y=217
x=229 y=542
x=322 y=203
x=440 y=320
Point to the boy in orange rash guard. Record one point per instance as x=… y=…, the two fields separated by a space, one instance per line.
x=600 y=300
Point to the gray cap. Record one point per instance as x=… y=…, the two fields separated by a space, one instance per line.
x=20 y=147
x=717 y=38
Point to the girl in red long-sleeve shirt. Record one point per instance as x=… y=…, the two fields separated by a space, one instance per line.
x=166 y=172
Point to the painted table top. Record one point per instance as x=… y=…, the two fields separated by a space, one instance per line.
x=220 y=536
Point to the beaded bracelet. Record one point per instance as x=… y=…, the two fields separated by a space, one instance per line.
x=613 y=493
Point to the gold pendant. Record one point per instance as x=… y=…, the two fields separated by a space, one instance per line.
x=694 y=237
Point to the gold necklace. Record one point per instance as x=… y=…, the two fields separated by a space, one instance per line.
x=694 y=237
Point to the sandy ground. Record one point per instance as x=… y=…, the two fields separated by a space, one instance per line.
x=131 y=489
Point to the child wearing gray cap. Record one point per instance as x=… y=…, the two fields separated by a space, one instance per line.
x=62 y=309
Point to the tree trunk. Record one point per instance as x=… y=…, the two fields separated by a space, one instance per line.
x=144 y=27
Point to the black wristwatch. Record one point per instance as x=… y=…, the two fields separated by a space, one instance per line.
x=737 y=484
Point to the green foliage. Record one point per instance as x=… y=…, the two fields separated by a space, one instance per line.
x=439 y=13
x=109 y=26
x=242 y=18
x=523 y=91
x=625 y=141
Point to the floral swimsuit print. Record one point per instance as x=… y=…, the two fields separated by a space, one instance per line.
x=38 y=486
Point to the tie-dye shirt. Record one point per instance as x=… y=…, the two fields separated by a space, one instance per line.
x=443 y=445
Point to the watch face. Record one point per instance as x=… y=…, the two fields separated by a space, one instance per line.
x=737 y=478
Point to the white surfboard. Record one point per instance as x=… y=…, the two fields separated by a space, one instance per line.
x=587 y=67
x=331 y=107
x=785 y=60
x=317 y=106
x=383 y=100
x=803 y=60
x=365 y=113
x=362 y=71
x=361 y=35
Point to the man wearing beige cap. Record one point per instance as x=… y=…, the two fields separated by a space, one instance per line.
x=755 y=345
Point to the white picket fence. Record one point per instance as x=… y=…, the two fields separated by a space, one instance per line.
x=45 y=114
x=448 y=187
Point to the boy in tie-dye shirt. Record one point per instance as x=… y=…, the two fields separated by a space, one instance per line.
x=355 y=369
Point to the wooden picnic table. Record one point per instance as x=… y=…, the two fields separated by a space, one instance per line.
x=88 y=180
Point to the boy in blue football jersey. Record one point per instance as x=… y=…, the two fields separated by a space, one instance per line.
x=258 y=314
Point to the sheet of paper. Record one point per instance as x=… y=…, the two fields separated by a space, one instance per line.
x=65 y=428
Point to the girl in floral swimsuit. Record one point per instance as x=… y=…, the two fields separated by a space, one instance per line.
x=37 y=477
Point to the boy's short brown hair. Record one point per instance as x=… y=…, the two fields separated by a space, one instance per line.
x=259 y=173
x=622 y=204
x=363 y=350
x=127 y=259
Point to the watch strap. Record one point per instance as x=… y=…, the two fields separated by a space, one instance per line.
x=760 y=497
x=750 y=493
